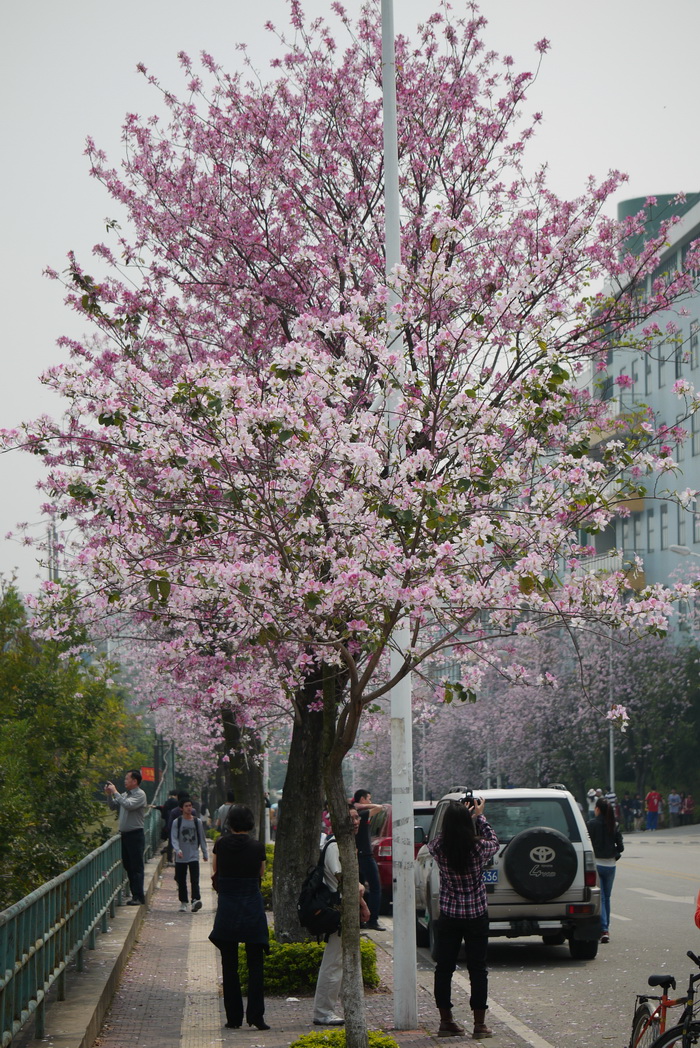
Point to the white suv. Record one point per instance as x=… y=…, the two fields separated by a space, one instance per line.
x=541 y=881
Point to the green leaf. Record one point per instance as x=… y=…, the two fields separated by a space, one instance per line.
x=435 y=244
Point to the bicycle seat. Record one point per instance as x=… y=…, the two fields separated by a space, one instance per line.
x=666 y=982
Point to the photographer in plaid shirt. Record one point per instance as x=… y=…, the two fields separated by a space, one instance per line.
x=461 y=850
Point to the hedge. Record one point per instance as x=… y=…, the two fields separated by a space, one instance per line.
x=292 y=967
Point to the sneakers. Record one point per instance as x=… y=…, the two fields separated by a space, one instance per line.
x=605 y=937
x=333 y=1020
x=373 y=926
x=196 y=905
x=183 y=907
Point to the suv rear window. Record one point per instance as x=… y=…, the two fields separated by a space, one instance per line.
x=511 y=817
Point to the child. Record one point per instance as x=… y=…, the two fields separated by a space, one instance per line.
x=187 y=838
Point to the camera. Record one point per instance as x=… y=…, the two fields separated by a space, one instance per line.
x=468 y=798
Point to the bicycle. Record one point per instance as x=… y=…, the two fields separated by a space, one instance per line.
x=649 y=1025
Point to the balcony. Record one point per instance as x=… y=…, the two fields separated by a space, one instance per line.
x=615 y=560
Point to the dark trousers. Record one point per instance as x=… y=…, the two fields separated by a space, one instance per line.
x=233 y=1000
x=369 y=874
x=133 y=844
x=450 y=931
x=181 y=869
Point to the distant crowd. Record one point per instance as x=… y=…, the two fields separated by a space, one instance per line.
x=653 y=812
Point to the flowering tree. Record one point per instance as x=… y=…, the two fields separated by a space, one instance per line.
x=255 y=459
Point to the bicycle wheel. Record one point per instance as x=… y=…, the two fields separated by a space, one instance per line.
x=644 y=1033
x=676 y=1038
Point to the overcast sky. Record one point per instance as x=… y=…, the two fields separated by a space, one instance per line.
x=618 y=89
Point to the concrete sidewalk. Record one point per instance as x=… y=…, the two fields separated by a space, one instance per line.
x=169 y=993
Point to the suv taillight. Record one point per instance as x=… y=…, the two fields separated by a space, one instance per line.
x=384 y=851
x=590 y=876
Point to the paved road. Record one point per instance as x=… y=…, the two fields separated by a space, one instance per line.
x=550 y=1000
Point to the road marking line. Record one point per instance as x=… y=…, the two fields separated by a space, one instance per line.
x=662 y=896
x=507 y=1019
x=619 y=917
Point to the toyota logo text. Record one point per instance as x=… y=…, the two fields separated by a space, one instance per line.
x=542 y=853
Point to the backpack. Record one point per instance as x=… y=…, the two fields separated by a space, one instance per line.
x=317 y=905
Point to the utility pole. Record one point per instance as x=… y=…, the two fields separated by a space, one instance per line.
x=405 y=988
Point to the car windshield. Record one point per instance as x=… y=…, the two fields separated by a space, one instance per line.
x=423 y=819
x=510 y=817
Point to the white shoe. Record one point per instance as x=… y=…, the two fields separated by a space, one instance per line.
x=183 y=907
x=333 y=1020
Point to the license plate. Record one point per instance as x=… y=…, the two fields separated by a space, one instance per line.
x=490 y=876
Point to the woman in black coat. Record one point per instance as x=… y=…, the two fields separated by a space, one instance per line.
x=238 y=866
x=608 y=847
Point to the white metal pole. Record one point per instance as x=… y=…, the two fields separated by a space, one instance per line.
x=405 y=988
x=611 y=731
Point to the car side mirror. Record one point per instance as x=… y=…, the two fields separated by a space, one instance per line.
x=419 y=835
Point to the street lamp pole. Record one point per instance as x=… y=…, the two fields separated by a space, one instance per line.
x=405 y=978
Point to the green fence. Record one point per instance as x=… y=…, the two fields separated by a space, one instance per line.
x=44 y=932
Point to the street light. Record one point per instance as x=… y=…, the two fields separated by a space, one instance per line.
x=683 y=551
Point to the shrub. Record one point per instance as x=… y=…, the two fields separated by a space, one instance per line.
x=266 y=885
x=336 y=1039
x=292 y=967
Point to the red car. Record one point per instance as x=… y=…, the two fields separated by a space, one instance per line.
x=380 y=834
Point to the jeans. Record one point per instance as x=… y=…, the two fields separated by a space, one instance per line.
x=652 y=820
x=133 y=844
x=233 y=998
x=606 y=876
x=449 y=932
x=369 y=873
x=181 y=869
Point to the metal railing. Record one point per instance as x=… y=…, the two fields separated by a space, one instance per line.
x=44 y=932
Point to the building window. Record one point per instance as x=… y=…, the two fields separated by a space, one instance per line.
x=661 y=372
x=647 y=375
x=696 y=527
x=681 y=526
x=637 y=530
x=680 y=448
x=695 y=430
x=694 y=340
x=650 y=531
x=663 y=527
x=679 y=362
x=626 y=533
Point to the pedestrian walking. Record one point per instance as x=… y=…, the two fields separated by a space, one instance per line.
x=608 y=846
x=462 y=849
x=187 y=838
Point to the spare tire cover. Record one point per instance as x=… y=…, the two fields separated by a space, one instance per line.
x=541 y=863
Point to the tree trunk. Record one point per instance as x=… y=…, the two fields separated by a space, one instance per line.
x=298 y=816
x=245 y=774
x=353 y=988
x=338 y=740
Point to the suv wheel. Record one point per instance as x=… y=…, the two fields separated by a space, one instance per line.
x=541 y=863
x=422 y=935
x=432 y=938
x=583 y=949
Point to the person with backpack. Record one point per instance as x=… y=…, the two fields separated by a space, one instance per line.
x=187 y=838
x=330 y=974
